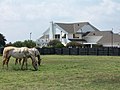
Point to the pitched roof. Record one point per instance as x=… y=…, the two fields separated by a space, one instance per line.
x=116 y=38
x=74 y=27
x=107 y=36
x=44 y=36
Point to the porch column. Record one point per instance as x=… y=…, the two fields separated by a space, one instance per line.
x=91 y=45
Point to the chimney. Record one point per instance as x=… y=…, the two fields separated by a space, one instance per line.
x=51 y=33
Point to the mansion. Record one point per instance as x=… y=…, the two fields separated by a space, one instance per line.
x=81 y=32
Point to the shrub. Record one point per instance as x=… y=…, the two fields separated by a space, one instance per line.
x=73 y=44
x=55 y=43
x=59 y=45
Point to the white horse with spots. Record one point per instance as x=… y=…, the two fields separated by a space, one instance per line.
x=20 y=53
x=36 y=54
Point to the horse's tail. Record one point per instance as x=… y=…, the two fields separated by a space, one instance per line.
x=5 y=56
x=5 y=53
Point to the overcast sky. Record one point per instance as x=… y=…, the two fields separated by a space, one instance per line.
x=18 y=18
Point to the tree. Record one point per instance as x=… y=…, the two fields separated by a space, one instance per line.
x=73 y=44
x=29 y=43
x=9 y=44
x=59 y=45
x=18 y=44
x=2 y=40
x=26 y=43
x=55 y=43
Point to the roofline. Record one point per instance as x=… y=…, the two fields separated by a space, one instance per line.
x=71 y=22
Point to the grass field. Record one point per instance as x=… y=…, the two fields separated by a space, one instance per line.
x=65 y=72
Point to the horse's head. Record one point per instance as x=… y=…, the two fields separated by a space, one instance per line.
x=36 y=53
x=34 y=61
x=35 y=64
x=39 y=59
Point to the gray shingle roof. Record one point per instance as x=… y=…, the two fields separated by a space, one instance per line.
x=107 y=36
x=74 y=27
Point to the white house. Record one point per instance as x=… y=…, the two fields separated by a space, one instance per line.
x=82 y=32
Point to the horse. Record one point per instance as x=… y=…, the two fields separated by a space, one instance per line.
x=35 y=52
x=20 y=53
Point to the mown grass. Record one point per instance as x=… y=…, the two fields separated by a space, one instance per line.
x=63 y=72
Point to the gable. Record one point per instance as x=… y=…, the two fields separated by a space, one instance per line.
x=77 y=27
x=87 y=28
x=46 y=32
x=67 y=27
x=92 y=39
x=106 y=36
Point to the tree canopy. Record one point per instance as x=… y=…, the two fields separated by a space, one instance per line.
x=26 y=43
x=2 y=40
x=73 y=44
x=55 y=43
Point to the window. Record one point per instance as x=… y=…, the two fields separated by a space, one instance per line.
x=57 y=36
x=75 y=35
x=64 y=36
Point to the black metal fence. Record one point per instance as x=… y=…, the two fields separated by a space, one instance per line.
x=105 y=51
x=108 y=51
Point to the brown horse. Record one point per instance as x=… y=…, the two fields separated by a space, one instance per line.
x=20 y=53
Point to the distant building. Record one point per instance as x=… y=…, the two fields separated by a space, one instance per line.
x=82 y=32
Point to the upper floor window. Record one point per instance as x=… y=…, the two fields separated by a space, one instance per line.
x=75 y=36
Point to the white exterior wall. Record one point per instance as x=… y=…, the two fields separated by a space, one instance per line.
x=41 y=42
x=59 y=30
x=70 y=36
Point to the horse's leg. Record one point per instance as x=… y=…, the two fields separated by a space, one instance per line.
x=7 y=61
x=5 y=57
x=23 y=63
x=34 y=63
x=26 y=63
x=20 y=61
x=16 y=61
x=4 y=61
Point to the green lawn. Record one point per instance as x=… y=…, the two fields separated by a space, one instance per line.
x=63 y=72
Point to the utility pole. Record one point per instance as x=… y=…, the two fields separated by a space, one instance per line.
x=30 y=35
x=112 y=42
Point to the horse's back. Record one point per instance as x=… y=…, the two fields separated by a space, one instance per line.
x=35 y=51
x=14 y=51
x=6 y=50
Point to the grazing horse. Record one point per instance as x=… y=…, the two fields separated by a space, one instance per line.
x=35 y=52
x=20 y=53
